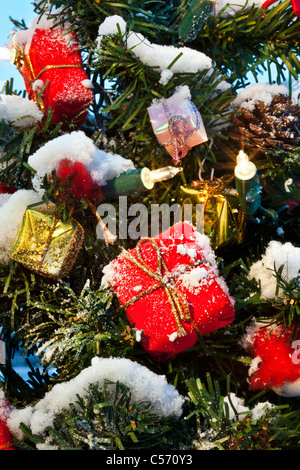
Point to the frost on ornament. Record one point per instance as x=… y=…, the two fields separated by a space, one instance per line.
x=248 y=97
x=49 y=57
x=77 y=147
x=276 y=256
x=266 y=118
x=145 y=387
x=177 y=123
x=20 y=112
x=182 y=293
x=12 y=208
x=275 y=358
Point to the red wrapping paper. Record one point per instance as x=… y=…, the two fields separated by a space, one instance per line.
x=295 y=5
x=278 y=358
x=55 y=58
x=6 y=439
x=210 y=306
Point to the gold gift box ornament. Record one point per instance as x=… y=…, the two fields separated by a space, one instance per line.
x=46 y=244
x=214 y=211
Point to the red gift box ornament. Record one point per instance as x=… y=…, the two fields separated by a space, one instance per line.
x=50 y=62
x=6 y=439
x=295 y=5
x=276 y=358
x=171 y=290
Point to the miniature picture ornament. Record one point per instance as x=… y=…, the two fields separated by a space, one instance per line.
x=177 y=124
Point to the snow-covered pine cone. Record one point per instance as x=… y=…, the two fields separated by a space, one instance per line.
x=274 y=125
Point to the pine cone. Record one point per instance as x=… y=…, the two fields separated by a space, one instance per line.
x=266 y=126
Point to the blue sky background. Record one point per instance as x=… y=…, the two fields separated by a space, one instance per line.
x=18 y=10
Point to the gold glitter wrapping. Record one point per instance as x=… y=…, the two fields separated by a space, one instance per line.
x=214 y=212
x=47 y=245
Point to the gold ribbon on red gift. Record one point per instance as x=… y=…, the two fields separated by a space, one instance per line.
x=23 y=59
x=166 y=280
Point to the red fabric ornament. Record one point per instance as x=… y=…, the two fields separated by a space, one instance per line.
x=76 y=179
x=6 y=439
x=295 y=5
x=157 y=284
x=6 y=189
x=278 y=361
x=54 y=56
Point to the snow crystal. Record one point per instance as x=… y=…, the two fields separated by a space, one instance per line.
x=137 y=288
x=203 y=241
x=138 y=335
x=87 y=83
x=248 y=97
x=254 y=366
x=11 y=214
x=110 y=27
x=173 y=336
x=276 y=255
x=155 y=55
x=194 y=278
x=260 y=409
x=22 y=38
x=109 y=276
x=145 y=386
x=184 y=250
x=237 y=409
x=76 y=146
x=37 y=85
x=18 y=111
x=165 y=76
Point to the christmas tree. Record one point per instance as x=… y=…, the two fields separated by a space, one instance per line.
x=149 y=213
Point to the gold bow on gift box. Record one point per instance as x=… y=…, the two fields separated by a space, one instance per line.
x=215 y=212
x=46 y=244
